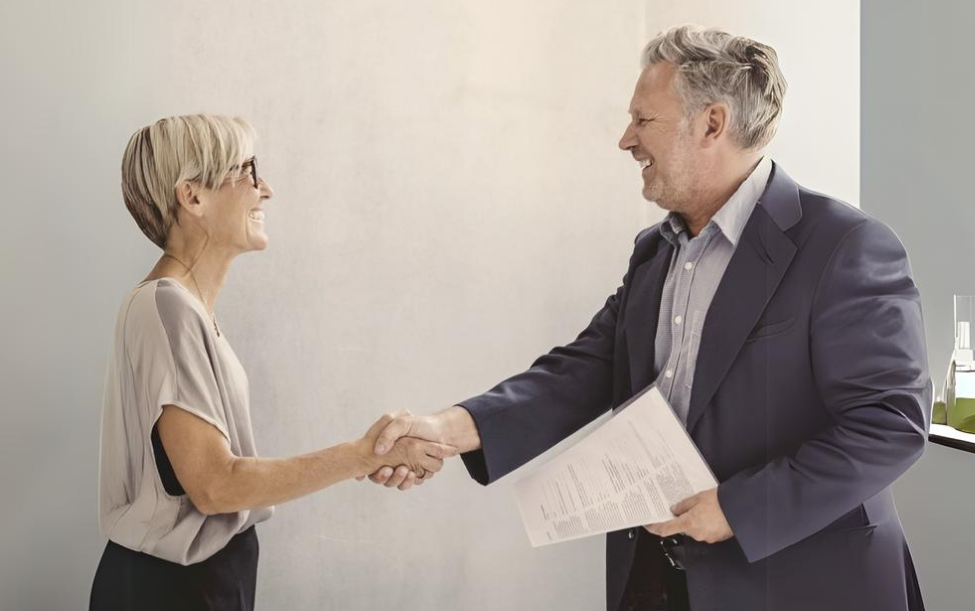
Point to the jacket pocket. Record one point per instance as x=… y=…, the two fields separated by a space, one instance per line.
x=762 y=331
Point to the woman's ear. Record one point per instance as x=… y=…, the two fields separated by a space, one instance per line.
x=188 y=196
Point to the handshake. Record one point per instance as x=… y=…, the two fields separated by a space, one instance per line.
x=402 y=450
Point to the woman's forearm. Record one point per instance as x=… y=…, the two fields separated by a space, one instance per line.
x=259 y=482
x=217 y=481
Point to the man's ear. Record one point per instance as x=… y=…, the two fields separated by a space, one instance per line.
x=717 y=117
x=188 y=196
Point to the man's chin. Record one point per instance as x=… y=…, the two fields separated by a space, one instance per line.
x=648 y=194
x=651 y=192
x=654 y=198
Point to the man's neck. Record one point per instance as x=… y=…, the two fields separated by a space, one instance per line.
x=709 y=201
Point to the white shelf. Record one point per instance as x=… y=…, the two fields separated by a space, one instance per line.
x=945 y=435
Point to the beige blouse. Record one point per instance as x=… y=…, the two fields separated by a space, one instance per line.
x=166 y=352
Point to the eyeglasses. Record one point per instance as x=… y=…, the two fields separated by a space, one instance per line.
x=252 y=165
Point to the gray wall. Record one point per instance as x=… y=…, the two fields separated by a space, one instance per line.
x=450 y=204
x=916 y=172
x=422 y=153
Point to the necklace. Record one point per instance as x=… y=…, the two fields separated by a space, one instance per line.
x=213 y=315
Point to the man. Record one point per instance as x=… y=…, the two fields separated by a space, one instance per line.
x=784 y=328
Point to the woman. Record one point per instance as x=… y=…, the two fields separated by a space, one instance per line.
x=181 y=486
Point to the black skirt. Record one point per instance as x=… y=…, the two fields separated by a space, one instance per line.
x=127 y=580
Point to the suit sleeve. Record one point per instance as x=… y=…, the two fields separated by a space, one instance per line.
x=560 y=393
x=870 y=365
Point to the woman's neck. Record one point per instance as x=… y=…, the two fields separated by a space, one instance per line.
x=201 y=269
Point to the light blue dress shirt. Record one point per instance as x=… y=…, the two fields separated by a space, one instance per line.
x=695 y=271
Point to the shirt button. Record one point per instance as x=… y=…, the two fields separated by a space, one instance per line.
x=631 y=534
x=678 y=320
x=669 y=373
x=688 y=266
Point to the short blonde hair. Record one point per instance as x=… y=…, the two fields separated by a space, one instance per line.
x=202 y=149
x=715 y=66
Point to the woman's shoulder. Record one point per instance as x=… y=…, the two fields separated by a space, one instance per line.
x=165 y=300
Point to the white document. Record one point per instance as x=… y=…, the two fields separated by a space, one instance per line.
x=626 y=473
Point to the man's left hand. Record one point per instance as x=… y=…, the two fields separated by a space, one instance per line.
x=699 y=517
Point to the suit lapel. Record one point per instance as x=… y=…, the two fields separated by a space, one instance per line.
x=643 y=310
x=761 y=260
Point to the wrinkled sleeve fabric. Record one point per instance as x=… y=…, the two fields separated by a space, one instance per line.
x=870 y=367
x=561 y=392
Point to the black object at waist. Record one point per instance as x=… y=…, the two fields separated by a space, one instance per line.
x=128 y=580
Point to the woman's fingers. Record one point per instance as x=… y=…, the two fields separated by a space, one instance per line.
x=430 y=464
x=420 y=461
x=399 y=476
x=381 y=476
x=408 y=482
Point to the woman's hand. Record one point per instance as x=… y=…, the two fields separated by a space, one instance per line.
x=416 y=460
x=421 y=457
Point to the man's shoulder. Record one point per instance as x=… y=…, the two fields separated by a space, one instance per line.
x=646 y=243
x=827 y=221
x=646 y=235
x=822 y=209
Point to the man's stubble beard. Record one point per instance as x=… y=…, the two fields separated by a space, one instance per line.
x=674 y=192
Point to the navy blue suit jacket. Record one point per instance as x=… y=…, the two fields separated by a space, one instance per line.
x=811 y=396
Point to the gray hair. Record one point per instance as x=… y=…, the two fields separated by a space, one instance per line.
x=201 y=149
x=715 y=66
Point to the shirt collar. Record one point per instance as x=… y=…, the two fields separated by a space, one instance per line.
x=732 y=217
x=672 y=227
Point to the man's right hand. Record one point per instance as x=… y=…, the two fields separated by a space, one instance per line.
x=419 y=456
x=453 y=426
x=405 y=424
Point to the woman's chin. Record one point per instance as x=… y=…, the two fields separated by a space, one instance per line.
x=257 y=242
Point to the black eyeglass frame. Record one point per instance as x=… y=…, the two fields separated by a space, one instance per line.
x=251 y=164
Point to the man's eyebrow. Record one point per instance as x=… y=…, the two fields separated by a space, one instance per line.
x=642 y=111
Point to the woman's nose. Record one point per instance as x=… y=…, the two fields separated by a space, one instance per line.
x=266 y=191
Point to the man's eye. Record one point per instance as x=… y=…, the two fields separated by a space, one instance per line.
x=643 y=121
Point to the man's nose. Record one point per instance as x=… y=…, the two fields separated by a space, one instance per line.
x=627 y=141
